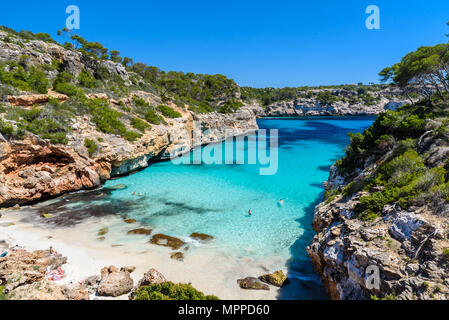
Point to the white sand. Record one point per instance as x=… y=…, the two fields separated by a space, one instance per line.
x=206 y=269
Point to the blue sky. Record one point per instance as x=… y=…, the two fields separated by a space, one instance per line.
x=257 y=43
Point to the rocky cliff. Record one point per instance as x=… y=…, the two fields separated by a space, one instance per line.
x=339 y=102
x=52 y=143
x=386 y=206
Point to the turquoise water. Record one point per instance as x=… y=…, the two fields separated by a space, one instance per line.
x=214 y=199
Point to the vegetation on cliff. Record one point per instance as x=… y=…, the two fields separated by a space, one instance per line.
x=408 y=145
x=171 y=291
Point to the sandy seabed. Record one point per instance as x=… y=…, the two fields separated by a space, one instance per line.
x=207 y=268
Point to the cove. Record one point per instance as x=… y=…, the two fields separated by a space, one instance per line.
x=214 y=199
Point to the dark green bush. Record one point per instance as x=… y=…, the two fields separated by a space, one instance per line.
x=91 y=146
x=171 y=291
x=69 y=89
x=87 y=80
x=152 y=117
x=6 y=128
x=18 y=77
x=140 y=125
x=168 y=112
x=109 y=120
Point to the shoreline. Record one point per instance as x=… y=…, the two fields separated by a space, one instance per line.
x=86 y=257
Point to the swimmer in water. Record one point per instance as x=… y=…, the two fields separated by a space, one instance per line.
x=281 y=202
x=134 y=193
x=249 y=212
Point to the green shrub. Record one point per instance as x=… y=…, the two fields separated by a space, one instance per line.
x=6 y=128
x=152 y=117
x=69 y=89
x=140 y=125
x=50 y=123
x=446 y=252
x=18 y=77
x=401 y=170
x=368 y=215
x=87 y=80
x=3 y=296
x=109 y=120
x=171 y=291
x=91 y=146
x=168 y=112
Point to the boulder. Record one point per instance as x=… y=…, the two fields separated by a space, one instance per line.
x=150 y=277
x=75 y=291
x=252 y=283
x=91 y=283
x=140 y=231
x=114 y=283
x=130 y=221
x=277 y=278
x=167 y=241
x=201 y=237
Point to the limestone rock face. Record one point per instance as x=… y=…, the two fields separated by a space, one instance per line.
x=407 y=247
x=35 y=99
x=114 y=283
x=21 y=267
x=33 y=169
x=389 y=99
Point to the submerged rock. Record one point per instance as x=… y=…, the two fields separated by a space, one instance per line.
x=177 y=256
x=252 y=283
x=140 y=231
x=167 y=241
x=118 y=187
x=202 y=237
x=114 y=283
x=277 y=278
x=102 y=231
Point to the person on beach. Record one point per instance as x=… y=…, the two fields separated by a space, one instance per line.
x=52 y=251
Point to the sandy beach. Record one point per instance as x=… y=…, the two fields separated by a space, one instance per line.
x=207 y=270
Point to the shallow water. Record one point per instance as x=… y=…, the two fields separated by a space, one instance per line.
x=214 y=199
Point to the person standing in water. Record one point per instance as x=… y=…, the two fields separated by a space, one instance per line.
x=281 y=202
x=249 y=212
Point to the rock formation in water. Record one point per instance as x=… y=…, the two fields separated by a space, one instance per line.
x=53 y=143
